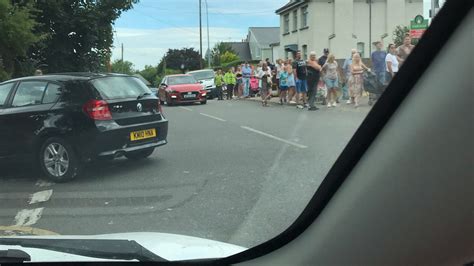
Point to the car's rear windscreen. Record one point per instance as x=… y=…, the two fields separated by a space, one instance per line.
x=120 y=87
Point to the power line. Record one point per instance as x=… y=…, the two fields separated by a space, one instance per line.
x=166 y=23
x=263 y=12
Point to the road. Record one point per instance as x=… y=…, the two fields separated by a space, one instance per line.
x=233 y=171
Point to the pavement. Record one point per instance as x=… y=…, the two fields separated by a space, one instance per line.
x=233 y=171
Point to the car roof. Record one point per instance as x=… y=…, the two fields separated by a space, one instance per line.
x=63 y=77
x=179 y=75
x=202 y=70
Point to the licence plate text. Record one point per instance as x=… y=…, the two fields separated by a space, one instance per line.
x=142 y=134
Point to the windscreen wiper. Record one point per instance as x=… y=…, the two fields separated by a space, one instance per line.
x=143 y=95
x=95 y=248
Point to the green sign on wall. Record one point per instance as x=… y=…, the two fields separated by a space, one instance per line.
x=419 y=23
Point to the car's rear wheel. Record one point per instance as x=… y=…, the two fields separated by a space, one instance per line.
x=58 y=160
x=137 y=155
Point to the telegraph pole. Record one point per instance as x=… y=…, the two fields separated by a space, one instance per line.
x=370 y=28
x=122 y=58
x=208 y=45
x=200 y=35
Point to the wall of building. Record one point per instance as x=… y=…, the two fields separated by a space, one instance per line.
x=412 y=9
x=362 y=22
x=343 y=27
x=321 y=23
x=266 y=53
x=255 y=50
x=276 y=53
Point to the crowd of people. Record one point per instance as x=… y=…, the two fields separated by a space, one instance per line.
x=300 y=81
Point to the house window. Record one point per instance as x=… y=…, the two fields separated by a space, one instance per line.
x=286 y=23
x=305 y=52
x=361 y=49
x=304 y=17
x=295 y=20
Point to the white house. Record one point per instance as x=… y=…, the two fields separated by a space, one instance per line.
x=340 y=25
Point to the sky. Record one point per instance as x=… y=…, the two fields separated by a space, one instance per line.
x=153 y=26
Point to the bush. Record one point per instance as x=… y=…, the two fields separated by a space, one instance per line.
x=399 y=34
x=4 y=75
x=228 y=57
x=236 y=63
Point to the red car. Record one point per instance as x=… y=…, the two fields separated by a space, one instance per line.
x=176 y=89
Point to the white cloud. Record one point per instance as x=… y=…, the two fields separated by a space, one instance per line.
x=146 y=47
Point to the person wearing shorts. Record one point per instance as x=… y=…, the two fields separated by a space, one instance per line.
x=331 y=79
x=291 y=83
x=300 y=73
x=283 y=83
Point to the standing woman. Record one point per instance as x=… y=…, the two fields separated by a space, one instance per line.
x=239 y=83
x=265 y=76
x=392 y=63
x=331 y=79
x=313 y=70
x=356 y=82
x=279 y=69
x=291 y=89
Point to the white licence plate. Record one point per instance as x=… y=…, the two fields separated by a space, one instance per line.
x=189 y=96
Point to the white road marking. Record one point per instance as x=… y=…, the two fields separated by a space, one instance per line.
x=41 y=196
x=186 y=108
x=274 y=137
x=43 y=183
x=28 y=217
x=213 y=117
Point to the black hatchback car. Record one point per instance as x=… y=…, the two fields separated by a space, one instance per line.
x=60 y=121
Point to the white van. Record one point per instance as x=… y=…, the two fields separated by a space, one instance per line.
x=206 y=78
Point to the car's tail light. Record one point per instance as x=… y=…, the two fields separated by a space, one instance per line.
x=97 y=110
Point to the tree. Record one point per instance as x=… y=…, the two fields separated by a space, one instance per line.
x=174 y=58
x=124 y=67
x=399 y=34
x=228 y=57
x=149 y=73
x=220 y=49
x=80 y=33
x=17 y=25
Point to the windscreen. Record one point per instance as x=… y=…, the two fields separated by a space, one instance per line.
x=177 y=80
x=202 y=75
x=234 y=161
